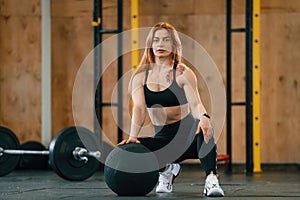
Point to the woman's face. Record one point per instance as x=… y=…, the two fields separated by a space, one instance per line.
x=162 y=43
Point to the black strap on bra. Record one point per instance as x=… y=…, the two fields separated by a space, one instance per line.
x=174 y=69
x=146 y=76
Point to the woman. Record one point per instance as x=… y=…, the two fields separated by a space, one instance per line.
x=166 y=88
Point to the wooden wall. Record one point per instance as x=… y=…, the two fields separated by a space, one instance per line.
x=203 y=20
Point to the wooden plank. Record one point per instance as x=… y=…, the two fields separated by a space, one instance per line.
x=72 y=8
x=279 y=6
x=166 y=7
x=71 y=43
x=20 y=76
x=110 y=124
x=203 y=7
x=20 y=8
x=238 y=135
x=280 y=96
x=79 y=8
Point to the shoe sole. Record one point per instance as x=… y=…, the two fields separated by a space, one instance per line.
x=214 y=193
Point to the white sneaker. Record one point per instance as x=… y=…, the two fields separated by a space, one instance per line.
x=212 y=187
x=167 y=177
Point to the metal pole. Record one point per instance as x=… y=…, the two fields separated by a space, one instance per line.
x=228 y=83
x=120 y=71
x=97 y=17
x=256 y=86
x=23 y=152
x=249 y=114
x=46 y=73
x=134 y=33
x=78 y=153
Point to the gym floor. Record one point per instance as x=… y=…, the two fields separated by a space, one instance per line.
x=46 y=184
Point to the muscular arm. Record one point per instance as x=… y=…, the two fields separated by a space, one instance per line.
x=196 y=105
x=191 y=90
x=139 y=109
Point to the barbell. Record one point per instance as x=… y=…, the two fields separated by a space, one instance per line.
x=68 y=155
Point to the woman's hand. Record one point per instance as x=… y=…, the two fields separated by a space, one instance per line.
x=130 y=140
x=206 y=128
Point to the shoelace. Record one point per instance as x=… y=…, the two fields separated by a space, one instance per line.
x=213 y=183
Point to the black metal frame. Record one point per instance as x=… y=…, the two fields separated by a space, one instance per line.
x=248 y=95
x=98 y=33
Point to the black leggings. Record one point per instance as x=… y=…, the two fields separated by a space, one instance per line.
x=176 y=142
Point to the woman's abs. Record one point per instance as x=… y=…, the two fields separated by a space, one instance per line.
x=167 y=115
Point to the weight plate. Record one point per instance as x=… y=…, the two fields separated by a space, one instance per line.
x=8 y=140
x=61 y=157
x=33 y=161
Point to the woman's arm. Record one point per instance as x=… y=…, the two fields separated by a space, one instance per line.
x=139 y=109
x=189 y=83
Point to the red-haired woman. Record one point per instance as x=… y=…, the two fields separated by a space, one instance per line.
x=165 y=88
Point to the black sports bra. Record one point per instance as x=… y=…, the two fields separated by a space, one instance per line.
x=171 y=96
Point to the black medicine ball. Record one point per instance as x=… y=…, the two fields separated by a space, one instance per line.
x=131 y=170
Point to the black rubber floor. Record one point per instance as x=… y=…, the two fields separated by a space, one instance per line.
x=45 y=184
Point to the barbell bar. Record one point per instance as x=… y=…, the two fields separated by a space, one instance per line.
x=22 y=152
x=79 y=153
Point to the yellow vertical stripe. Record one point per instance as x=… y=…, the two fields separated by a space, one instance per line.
x=134 y=33
x=256 y=86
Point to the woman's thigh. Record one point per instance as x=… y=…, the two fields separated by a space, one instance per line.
x=153 y=144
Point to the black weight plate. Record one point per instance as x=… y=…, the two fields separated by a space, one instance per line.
x=8 y=140
x=61 y=157
x=33 y=161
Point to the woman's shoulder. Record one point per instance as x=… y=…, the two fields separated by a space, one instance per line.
x=138 y=78
x=184 y=70
x=187 y=75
